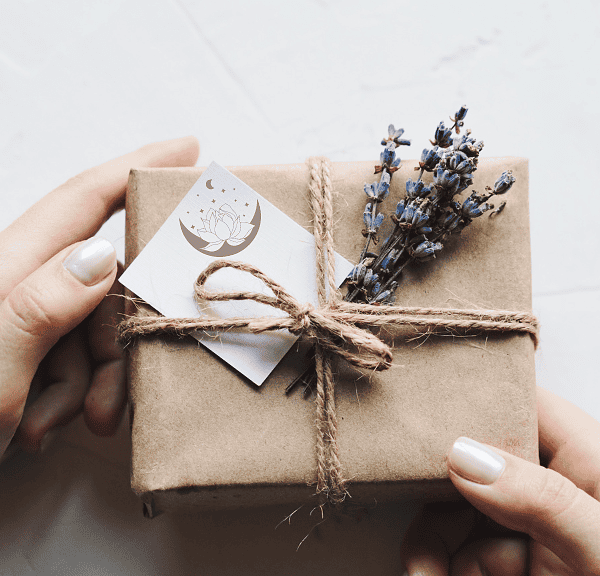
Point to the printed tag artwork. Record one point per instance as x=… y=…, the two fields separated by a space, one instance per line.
x=222 y=217
x=225 y=227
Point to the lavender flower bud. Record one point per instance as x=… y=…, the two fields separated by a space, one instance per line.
x=426 y=249
x=413 y=189
x=388 y=156
x=379 y=191
x=357 y=274
x=429 y=159
x=474 y=149
x=381 y=298
x=504 y=183
x=443 y=179
x=383 y=189
x=400 y=208
x=368 y=215
x=460 y=115
x=393 y=133
x=465 y=181
x=408 y=214
x=474 y=207
x=459 y=162
x=395 y=137
x=370 y=279
x=385 y=263
x=372 y=224
x=468 y=146
x=443 y=136
x=420 y=218
x=447 y=219
x=453 y=224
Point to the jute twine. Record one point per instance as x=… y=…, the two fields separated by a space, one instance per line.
x=336 y=327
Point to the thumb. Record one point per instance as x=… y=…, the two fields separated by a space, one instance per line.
x=529 y=498
x=46 y=305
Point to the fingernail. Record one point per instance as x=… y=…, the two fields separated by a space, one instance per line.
x=476 y=462
x=91 y=261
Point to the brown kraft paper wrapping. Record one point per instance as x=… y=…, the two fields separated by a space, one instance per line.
x=205 y=436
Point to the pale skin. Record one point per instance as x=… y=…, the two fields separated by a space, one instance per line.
x=55 y=329
x=59 y=333
x=555 y=509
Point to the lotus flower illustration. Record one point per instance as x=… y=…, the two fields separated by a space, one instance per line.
x=223 y=225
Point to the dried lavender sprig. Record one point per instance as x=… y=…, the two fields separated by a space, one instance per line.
x=378 y=191
x=428 y=214
x=368 y=282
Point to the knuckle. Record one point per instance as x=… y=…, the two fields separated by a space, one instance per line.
x=27 y=312
x=554 y=495
x=88 y=181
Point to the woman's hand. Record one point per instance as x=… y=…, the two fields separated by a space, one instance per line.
x=55 y=320
x=556 y=509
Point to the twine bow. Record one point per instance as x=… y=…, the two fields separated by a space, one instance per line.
x=337 y=328
x=328 y=326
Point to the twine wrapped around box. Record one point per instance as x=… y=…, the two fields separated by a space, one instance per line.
x=337 y=328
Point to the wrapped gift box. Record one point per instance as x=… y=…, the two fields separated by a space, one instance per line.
x=204 y=435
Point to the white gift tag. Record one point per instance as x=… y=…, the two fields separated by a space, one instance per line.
x=221 y=217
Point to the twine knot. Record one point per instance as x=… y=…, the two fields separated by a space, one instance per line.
x=303 y=319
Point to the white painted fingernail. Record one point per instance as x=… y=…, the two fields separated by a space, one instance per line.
x=476 y=462
x=91 y=261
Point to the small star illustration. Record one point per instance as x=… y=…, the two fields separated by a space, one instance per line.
x=246 y=204
x=197 y=194
x=201 y=211
x=192 y=226
x=187 y=212
x=223 y=190
x=214 y=200
x=235 y=200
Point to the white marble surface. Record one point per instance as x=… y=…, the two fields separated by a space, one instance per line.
x=273 y=82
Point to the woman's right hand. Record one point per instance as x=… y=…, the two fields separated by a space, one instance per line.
x=553 y=513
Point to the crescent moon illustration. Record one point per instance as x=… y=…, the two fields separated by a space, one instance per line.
x=209 y=184
x=225 y=250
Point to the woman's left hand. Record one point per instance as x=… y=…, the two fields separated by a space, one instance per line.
x=56 y=323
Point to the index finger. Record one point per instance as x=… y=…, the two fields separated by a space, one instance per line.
x=77 y=209
x=569 y=440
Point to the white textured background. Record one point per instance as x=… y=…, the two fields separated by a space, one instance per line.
x=263 y=82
